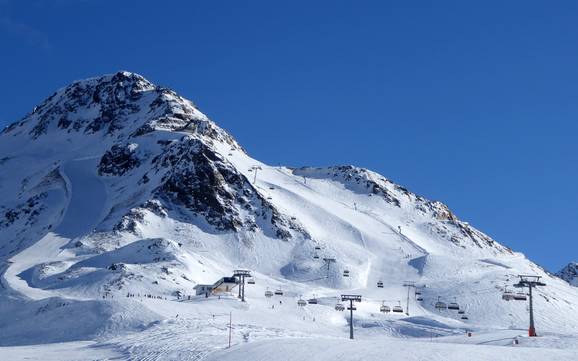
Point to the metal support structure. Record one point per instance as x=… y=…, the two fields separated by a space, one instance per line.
x=328 y=261
x=409 y=285
x=351 y=308
x=530 y=282
x=255 y=168
x=241 y=274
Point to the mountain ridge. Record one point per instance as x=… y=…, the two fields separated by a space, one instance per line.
x=129 y=189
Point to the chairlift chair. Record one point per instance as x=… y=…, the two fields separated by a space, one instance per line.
x=317 y=248
x=379 y=284
x=346 y=273
x=440 y=305
x=464 y=317
x=312 y=301
x=268 y=293
x=453 y=306
x=461 y=312
x=398 y=309
x=508 y=296
x=278 y=292
x=417 y=292
x=251 y=281
x=316 y=256
x=419 y=298
x=271 y=187
x=301 y=303
x=520 y=296
x=339 y=307
x=384 y=308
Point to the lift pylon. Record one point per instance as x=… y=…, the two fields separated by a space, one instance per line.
x=530 y=282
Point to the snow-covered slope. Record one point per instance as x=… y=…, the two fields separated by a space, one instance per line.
x=570 y=273
x=114 y=186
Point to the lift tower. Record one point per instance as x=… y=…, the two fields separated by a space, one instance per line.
x=241 y=274
x=409 y=285
x=351 y=308
x=530 y=282
x=328 y=261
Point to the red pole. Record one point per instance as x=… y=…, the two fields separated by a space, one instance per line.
x=532 y=329
x=230 y=326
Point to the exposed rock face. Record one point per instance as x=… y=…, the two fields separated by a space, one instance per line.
x=570 y=273
x=119 y=160
x=203 y=182
x=121 y=106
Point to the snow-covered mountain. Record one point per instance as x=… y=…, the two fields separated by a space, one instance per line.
x=570 y=273
x=115 y=186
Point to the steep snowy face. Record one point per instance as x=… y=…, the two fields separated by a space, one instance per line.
x=570 y=273
x=433 y=216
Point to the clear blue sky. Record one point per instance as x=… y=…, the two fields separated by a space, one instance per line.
x=471 y=103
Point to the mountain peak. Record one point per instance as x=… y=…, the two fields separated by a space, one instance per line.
x=570 y=273
x=120 y=105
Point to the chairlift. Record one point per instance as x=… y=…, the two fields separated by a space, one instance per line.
x=346 y=273
x=316 y=256
x=278 y=292
x=339 y=307
x=440 y=305
x=301 y=303
x=271 y=187
x=293 y=218
x=419 y=298
x=417 y=292
x=268 y=293
x=317 y=248
x=520 y=296
x=461 y=312
x=454 y=306
x=464 y=317
x=230 y=154
x=312 y=301
x=251 y=281
x=398 y=308
x=269 y=197
x=379 y=284
x=507 y=295
x=384 y=308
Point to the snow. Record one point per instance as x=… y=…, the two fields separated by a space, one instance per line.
x=68 y=269
x=338 y=349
